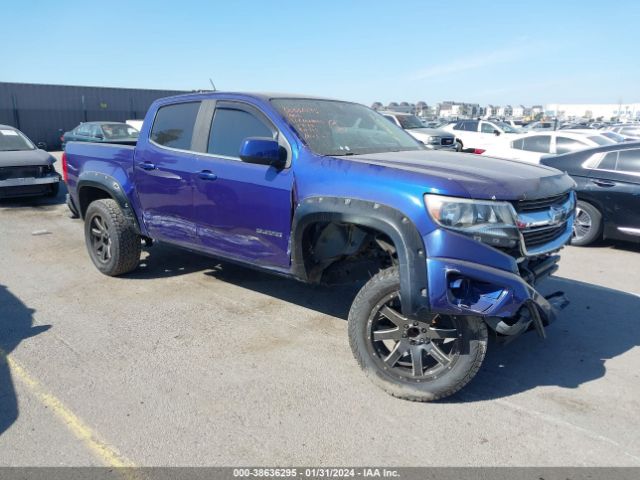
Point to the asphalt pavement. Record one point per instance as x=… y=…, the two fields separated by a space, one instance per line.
x=192 y=361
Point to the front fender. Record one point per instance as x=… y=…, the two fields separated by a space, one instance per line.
x=399 y=228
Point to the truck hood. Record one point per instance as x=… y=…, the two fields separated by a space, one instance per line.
x=24 y=158
x=481 y=177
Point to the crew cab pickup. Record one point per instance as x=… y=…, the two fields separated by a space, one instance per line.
x=448 y=246
x=479 y=135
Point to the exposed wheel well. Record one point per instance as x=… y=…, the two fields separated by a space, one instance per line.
x=89 y=194
x=338 y=252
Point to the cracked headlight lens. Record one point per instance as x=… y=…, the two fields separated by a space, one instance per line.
x=485 y=220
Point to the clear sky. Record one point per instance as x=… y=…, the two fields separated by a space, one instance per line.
x=485 y=51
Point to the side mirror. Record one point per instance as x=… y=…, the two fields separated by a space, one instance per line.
x=41 y=145
x=497 y=132
x=99 y=136
x=263 y=151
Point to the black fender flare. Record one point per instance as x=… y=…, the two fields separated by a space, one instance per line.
x=397 y=226
x=112 y=187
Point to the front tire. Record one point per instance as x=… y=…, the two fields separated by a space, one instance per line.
x=458 y=146
x=414 y=359
x=111 y=238
x=587 y=227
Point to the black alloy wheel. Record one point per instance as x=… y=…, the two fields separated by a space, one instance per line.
x=414 y=350
x=100 y=238
x=421 y=358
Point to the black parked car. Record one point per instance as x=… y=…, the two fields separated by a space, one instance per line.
x=107 y=132
x=608 y=191
x=25 y=170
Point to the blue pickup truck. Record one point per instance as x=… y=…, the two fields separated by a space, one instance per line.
x=448 y=246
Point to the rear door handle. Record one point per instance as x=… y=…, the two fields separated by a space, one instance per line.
x=207 y=175
x=147 y=166
x=604 y=183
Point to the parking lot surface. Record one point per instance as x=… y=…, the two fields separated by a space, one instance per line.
x=193 y=361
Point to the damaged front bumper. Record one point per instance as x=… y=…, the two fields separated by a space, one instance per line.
x=507 y=301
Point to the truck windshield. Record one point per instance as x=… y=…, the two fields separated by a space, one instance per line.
x=330 y=127
x=12 y=140
x=506 y=128
x=409 y=121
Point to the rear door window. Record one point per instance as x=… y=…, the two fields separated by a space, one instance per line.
x=174 y=124
x=628 y=161
x=231 y=127
x=608 y=162
x=566 y=145
x=537 y=143
x=467 y=125
x=96 y=130
x=487 y=128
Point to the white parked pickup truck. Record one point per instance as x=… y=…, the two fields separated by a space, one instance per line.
x=432 y=138
x=479 y=134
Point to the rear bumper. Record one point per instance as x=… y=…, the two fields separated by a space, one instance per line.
x=506 y=301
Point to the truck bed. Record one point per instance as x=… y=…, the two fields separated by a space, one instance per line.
x=109 y=159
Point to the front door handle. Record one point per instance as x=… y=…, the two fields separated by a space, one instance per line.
x=147 y=166
x=207 y=175
x=604 y=183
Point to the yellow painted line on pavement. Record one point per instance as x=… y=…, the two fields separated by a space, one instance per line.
x=108 y=455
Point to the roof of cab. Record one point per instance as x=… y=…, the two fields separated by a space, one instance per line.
x=265 y=96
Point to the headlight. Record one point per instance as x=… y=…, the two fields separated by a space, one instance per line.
x=486 y=221
x=433 y=140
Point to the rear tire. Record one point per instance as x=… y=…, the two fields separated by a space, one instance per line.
x=111 y=238
x=587 y=228
x=418 y=360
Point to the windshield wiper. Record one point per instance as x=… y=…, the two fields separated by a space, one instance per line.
x=345 y=154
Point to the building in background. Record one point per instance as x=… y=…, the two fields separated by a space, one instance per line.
x=518 y=111
x=604 y=111
x=505 y=111
x=43 y=112
x=490 y=111
x=452 y=110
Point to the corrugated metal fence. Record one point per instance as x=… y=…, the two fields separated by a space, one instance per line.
x=42 y=112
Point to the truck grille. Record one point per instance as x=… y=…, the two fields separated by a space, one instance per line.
x=446 y=141
x=540 y=203
x=548 y=218
x=536 y=236
x=7 y=173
